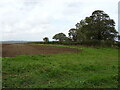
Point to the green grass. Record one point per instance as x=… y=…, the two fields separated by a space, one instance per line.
x=90 y=68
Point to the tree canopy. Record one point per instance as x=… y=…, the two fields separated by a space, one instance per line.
x=98 y=26
x=60 y=37
x=96 y=29
x=73 y=34
x=46 y=39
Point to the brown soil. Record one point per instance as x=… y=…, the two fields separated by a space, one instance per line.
x=12 y=50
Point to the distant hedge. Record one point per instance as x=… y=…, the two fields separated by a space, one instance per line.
x=87 y=43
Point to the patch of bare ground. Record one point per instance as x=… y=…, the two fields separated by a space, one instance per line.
x=12 y=50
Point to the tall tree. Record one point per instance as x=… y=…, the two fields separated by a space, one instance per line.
x=81 y=30
x=98 y=26
x=60 y=37
x=73 y=34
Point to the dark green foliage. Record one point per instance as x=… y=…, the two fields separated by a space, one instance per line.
x=96 y=30
x=46 y=39
x=60 y=37
x=98 y=26
x=73 y=34
x=118 y=37
x=85 y=42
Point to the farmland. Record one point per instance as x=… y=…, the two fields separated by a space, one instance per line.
x=77 y=67
x=12 y=50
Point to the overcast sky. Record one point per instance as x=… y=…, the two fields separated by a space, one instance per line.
x=35 y=19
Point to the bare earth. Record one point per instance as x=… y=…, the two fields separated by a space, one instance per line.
x=12 y=50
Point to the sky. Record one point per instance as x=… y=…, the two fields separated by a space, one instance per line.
x=32 y=20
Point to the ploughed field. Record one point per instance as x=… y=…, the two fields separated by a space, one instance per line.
x=12 y=50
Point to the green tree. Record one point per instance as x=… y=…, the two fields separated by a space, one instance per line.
x=98 y=26
x=81 y=30
x=73 y=34
x=46 y=39
x=60 y=37
x=119 y=37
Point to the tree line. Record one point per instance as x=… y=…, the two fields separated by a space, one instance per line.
x=99 y=26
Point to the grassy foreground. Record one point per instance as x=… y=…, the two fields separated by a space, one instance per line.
x=90 y=68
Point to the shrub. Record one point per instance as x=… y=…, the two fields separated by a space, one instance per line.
x=87 y=42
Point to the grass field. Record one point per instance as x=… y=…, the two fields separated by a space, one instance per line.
x=90 y=68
